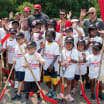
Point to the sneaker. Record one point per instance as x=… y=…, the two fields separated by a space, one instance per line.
x=49 y=94
x=92 y=97
x=70 y=98
x=16 y=84
x=61 y=95
x=101 y=97
x=16 y=97
x=54 y=95
x=74 y=90
x=9 y=85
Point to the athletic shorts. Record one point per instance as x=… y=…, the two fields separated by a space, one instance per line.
x=77 y=77
x=50 y=77
x=20 y=75
x=30 y=87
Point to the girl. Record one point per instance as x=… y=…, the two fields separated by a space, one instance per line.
x=82 y=52
x=94 y=63
x=69 y=58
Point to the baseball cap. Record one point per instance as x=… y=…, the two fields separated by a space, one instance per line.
x=69 y=29
x=12 y=30
x=27 y=9
x=19 y=35
x=31 y=44
x=97 y=45
x=37 y=6
x=69 y=39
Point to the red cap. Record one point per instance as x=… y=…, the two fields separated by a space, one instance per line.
x=27 y=9
x=37 y=6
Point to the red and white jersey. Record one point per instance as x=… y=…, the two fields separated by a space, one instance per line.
x=19 y=58
x=34 y=65
x=11 y=43
x=83 y=66
x=51 y=50
x=69 y=69
x=94 y=64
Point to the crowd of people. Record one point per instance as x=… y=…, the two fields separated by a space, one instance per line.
x=68 y=47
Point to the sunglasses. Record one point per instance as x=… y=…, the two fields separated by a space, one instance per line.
x=62 y=14
x=90 y=13
x=36 y=9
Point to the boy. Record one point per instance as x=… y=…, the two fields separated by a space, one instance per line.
x=18 y=61
x=51 y=53
x=33 y=59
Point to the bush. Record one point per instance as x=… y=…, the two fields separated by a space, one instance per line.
x=25 y=4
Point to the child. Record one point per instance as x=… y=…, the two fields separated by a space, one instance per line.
x=94 y=63
x=33 y=59
x=83 y=53
x=18 y=61
x=51 y=53
x=11 y=43
x=69 y=60
x=51 y=26
x=37 y=35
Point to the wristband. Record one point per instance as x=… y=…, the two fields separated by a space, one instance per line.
x=52 y=64
x=84 y=59
x=0 y=45
x=40 y=49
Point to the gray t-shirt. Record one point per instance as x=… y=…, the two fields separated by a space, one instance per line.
x=33 y=17
x=98 y=23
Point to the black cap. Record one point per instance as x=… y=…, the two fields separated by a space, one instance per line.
x=69 y=29
x=92 y=27
x=51 y=22
x=19 y=35
x=12 y=30
x=97 y=46
x=31 y=44
x=69 y=39
x=81 y=41
x=15 y=21
x=36 y=22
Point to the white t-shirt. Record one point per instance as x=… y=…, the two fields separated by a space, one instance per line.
x=35 y=38
x=27 y=35
x=70 y=67
x=83 y=66
x=2 y=35
x=94 y=64
x=19 y=58
x=49 y=53
x=57 y=37
x=11 y=43
x=34 y=65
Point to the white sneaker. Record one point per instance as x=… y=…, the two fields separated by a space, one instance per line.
x=9 y=85
x=16 y=84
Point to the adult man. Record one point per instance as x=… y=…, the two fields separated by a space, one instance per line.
x=38 y=15
x=62 y=23
x=27 y=11
x=92 y=19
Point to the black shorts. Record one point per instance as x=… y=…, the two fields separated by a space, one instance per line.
x=20 y=75
x=77 y=77
x=30 y=87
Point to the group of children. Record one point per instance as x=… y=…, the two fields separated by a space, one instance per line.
x=61 y=52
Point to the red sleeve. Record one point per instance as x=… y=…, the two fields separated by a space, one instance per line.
x=58 y=27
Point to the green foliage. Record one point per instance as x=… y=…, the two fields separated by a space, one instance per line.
x=25 y=4
x=50 y=7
